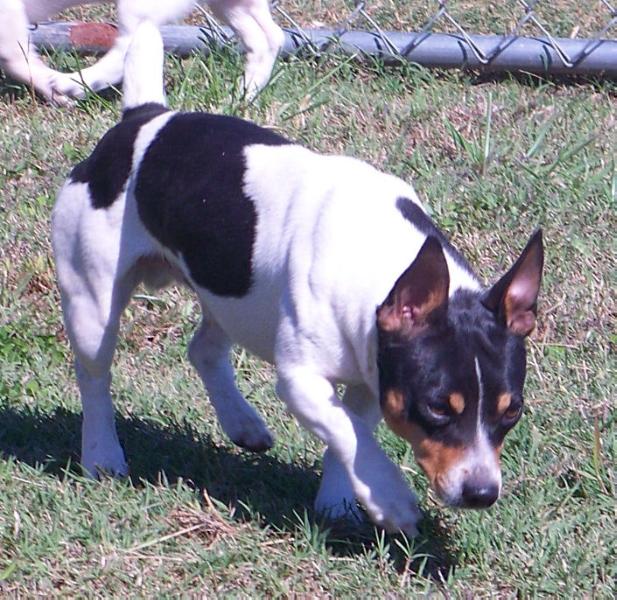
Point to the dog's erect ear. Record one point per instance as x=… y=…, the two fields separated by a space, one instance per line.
x=419 y=295
x=513 y=298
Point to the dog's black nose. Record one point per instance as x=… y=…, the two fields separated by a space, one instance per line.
x=479 y=494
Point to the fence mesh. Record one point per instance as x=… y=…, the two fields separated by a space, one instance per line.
x=528 y=19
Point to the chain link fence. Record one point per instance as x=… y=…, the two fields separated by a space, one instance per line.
x=444 y=39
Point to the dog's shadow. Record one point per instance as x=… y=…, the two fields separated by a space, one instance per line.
x=253 y=484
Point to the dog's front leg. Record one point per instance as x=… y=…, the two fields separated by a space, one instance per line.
x=376 y=482
x=336 y=498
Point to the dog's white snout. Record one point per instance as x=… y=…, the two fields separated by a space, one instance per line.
x=475 y=482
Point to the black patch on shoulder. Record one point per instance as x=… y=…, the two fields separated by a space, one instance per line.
x=107 y=169
x=421 y=221
x=190 y=196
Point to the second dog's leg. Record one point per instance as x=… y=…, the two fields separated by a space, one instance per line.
x=109 y=69
x=261 y=37
x=101 y=75
x=209 y=354
x=19 y=57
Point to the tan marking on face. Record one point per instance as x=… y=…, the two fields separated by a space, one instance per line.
x=393 y=405
x=457 y=402
x=503 y=402
x=497 y=450
x=435 y=458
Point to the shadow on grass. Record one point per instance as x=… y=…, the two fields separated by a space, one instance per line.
x=431 y=554
x=252 y=483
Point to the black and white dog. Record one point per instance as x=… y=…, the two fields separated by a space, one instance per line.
x=321 y=265
x=250 y=19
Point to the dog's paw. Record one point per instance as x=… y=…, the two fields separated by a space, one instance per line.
x=394 y=510
x=45 y=86
x=66 y=87
x=248 y=431
x=336 y=499
x=388 y=500
x=104 y=461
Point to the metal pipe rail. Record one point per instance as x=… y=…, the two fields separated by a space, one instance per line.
x=485 y=53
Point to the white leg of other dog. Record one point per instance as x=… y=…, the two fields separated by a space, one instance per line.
x=209 y=354
x=101 y=75
x=376 y=481
x=261 y=37
x=19 y=58
x=109 y=69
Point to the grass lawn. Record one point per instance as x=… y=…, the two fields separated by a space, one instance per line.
x=493 y=160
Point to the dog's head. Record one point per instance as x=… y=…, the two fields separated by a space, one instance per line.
x=451 y=370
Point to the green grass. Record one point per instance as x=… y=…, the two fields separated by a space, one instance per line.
x=492 y=161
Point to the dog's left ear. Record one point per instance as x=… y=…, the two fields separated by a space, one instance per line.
x=420 y=294
x=514 y=297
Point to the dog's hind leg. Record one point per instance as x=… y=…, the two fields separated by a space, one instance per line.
x=92 y=311
x=96 y=276
x=261 y=37
x=209 y=354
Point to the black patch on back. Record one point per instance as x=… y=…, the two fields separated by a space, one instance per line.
x=107 y=169
x=190 y=196
x=415 y=215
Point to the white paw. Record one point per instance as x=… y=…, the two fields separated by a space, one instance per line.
x=44 y=84
x=246 y=429
x=67 y=86
x=387 y=498
x=395 y=513
x=104 y=458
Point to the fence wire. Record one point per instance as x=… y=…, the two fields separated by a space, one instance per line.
x=529 y=19
x=529 y=25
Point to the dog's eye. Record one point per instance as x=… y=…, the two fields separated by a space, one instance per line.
x=514 y=412
x=440 y=413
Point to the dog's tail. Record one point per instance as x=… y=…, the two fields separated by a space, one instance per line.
x=143 y=68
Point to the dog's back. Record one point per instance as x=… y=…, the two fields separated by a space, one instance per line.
x=256 y=224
